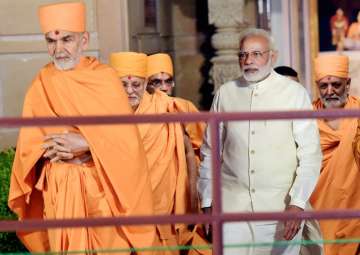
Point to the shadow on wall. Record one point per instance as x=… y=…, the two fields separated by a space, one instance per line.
x=202 y=24
x=205 y=32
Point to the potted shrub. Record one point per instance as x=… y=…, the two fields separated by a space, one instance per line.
x=8 y=241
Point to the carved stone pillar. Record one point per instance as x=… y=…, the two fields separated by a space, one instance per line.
x=228 y=18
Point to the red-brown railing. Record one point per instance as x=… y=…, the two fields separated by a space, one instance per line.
x=217 y=218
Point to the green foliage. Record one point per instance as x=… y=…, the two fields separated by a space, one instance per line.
x=8 y=241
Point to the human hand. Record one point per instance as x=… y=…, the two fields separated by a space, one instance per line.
x=64 y=146
x=208 y=226
x=292 y=227
x=192 y=174
x=194 y=201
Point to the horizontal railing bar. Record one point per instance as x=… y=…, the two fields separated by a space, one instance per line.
x=13 y=225
x=180 y=117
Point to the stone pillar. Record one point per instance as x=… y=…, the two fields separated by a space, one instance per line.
x=228 y=18
x=112 y=15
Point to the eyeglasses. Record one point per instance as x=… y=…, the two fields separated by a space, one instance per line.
x=158 y=82
x=257 y=55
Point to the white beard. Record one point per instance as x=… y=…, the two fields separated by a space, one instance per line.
x=68 y=64
x=65 y=65
x=341 y=100
x=260 y=74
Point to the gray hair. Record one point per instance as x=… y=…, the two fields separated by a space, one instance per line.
x=250 y=32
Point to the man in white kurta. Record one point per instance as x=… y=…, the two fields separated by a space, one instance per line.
x=266 y=165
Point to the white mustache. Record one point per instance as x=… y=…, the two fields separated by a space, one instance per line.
x=331 y=98
x=250 y=67
x=61 y=56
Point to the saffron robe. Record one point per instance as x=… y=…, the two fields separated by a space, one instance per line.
x=165 y=152
x=338 y=185
x=195 y=130
x=117 y=184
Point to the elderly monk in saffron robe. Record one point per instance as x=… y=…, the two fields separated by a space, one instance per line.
x=110 y=180
x=164 y=146
x=338 y=186
x=163 y=142
x=161 y=76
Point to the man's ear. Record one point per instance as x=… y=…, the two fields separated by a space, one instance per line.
x=348 y=82
x=274 y=56
x=85 y=40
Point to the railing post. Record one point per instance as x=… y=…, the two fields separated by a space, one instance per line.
x=216 y=176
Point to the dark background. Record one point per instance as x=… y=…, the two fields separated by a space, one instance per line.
x=326 y=9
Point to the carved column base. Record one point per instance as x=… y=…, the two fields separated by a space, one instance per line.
x=228 y=18
x=226 y=63
x=225 y=68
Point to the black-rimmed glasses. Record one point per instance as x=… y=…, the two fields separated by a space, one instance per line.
x=243 y=55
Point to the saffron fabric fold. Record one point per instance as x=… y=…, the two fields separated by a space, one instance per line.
x=119 y=163
x=165 y=152
x=195 y=130
x=338 y=185
x=331 y=65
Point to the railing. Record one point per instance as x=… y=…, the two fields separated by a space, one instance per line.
x=217 y=218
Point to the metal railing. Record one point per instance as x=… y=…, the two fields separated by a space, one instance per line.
x=217 y=218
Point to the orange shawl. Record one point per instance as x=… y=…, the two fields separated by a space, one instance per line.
x=338 y=186
x=165 y=152
x=90 y=89
x=195 y=130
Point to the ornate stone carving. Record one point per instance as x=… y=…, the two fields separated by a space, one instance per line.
x=229 y=19
x=226 y=13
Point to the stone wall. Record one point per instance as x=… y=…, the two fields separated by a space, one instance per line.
x=175 y=32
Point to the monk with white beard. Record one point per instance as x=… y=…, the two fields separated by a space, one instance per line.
x=338 y=186
x=106 y=176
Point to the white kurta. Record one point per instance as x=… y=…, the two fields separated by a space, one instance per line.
x=266 y=165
